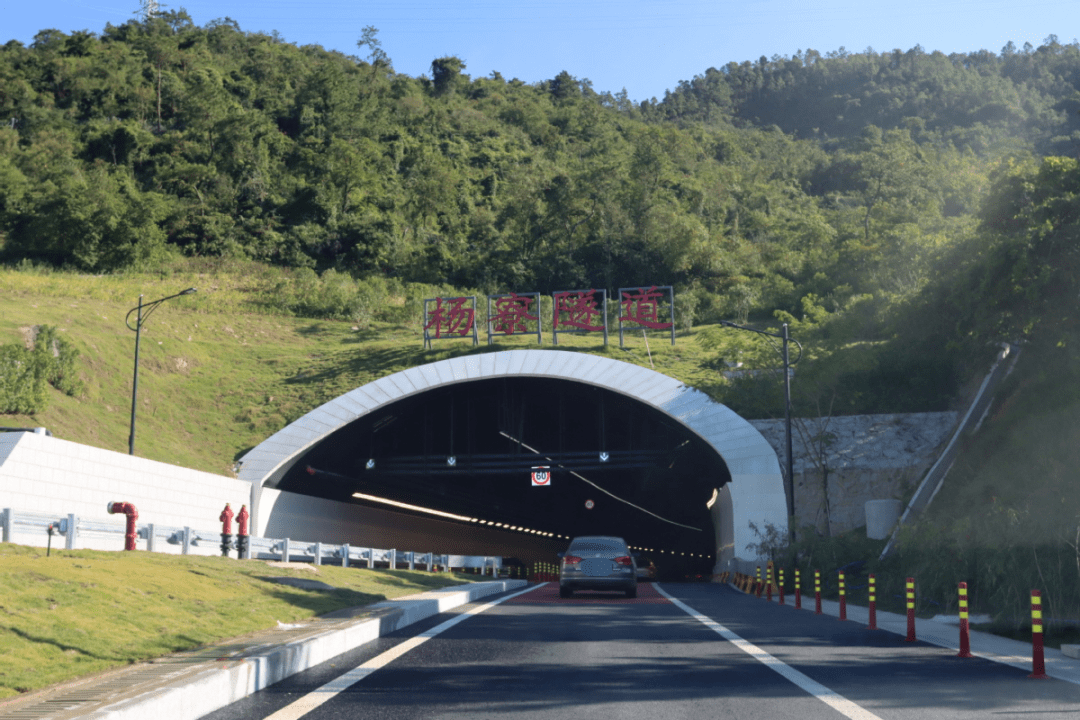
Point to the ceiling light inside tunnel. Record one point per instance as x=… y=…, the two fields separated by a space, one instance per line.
x=712 y=500
x=407 y=506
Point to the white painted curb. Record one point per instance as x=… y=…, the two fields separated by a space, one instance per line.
x=216 y=687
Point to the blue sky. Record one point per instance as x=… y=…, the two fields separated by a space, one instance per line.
x=644 y=47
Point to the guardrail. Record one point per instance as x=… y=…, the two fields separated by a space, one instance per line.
x=71 y=527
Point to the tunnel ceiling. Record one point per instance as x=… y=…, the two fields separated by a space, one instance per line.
x=468 y=449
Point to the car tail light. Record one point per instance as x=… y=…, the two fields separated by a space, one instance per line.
x=571 y=559
x=625 y=560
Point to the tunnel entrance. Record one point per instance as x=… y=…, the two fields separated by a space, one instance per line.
x=614 y=465
x=628 y=451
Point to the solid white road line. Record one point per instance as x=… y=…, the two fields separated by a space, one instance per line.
x=834 y=700
x=332 y=689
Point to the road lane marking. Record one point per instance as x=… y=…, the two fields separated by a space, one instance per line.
x=834 y=700
x=332 y=689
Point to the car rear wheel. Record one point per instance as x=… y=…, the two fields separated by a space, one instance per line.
x=565 y=592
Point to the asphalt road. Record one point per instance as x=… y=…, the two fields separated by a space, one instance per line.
x=599 y=655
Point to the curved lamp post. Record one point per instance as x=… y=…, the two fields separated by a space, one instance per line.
x=143 y=310
x=789 y=480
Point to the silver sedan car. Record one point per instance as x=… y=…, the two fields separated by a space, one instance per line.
x=597 y=563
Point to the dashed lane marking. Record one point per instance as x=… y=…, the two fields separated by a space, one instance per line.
x=322 y=695
x=834 y=700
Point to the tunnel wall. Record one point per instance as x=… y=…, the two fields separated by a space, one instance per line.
x=756 y=491
x=310 y=519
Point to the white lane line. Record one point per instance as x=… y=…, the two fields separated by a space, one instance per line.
x=332 y=689
x=834 y=700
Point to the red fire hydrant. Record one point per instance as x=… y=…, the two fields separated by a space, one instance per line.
x=242 y=531
x=132 y=515
x=226 y=530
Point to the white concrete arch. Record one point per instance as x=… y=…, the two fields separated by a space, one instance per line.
x=755 y=493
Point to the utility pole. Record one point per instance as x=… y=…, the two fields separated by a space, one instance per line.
x=789 y=479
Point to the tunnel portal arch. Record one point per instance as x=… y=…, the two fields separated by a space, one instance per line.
x=754 y=493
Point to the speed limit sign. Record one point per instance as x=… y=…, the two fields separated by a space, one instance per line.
x=541 y=476
x=589 y=504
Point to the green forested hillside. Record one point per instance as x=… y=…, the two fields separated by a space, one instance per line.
x=876 y=201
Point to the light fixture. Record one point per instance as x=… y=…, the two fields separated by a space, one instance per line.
x=712 y=500
x=406 y=506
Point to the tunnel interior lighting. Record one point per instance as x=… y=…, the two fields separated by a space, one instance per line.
x=407 y=506
x=712 y=500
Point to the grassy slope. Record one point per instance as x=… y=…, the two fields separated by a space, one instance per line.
x=62 y=615
x=217 y=374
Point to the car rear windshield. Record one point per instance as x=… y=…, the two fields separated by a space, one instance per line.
x=598 y=544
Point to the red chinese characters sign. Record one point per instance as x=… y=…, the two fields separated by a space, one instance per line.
x=449 y=317
x=510 y=315
x=572 y=311
x=579 y=311
x=641 y=306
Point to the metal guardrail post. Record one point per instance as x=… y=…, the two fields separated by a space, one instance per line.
x=412 y=561
x=318 y=553
x=371 y=558
x=7 y=524
x=393 y=558
x=285 y=550
x=72 y=531
x=150 y=535
x=345 y=555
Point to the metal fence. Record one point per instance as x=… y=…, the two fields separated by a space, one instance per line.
x=71 y=529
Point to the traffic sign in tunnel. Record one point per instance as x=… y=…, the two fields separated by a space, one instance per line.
x=512 y=453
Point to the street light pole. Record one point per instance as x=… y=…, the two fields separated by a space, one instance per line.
x=789 y=479
x=140 y=318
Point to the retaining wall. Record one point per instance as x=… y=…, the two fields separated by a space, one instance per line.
x=49 y=475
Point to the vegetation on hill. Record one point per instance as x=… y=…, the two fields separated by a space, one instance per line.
x=904 y=212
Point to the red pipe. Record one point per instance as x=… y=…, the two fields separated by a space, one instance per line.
x=132 y=515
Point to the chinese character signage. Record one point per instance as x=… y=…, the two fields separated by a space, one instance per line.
x=642 y=307
x=579 y=311
x=450 y=317
x=514 y=314
x=572 y=311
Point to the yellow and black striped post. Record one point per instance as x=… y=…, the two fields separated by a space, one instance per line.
x=873 y=604
x=843 y=598
x=817 y=592
x=798 y=591
x=910 y=592
x=768 y=581
x=1038 y=664
x=965 y=629
x=759 y=581
x=780 y=585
